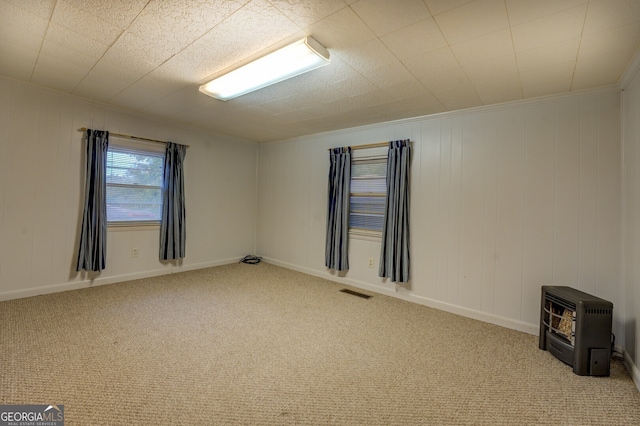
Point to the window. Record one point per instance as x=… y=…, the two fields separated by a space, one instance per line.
x=134 y=184
x=368 y=192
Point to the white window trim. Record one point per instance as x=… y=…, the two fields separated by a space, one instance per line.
x=151 y=147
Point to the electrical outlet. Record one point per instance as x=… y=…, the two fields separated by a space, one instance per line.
x=134 y=252
x=371 y=262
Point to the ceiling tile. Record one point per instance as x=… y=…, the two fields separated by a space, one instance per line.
x=421 y=37
x=119 y=13
x=552 y=54
x=129 y=68
x=432 y=63
x=551 y=79
x=40 y=8
x=354 y=86
x=65 y=54
x=389 y=75
x=17 y=62
x=609 y=14
x=99 y=86
x=551 y=29
x=85 y=24
x=340 y=30
x=259 y=27
x=459 y=97
x=57 y=72
x=305 y=13
x=601 y=70
x=521 y=11
x=473 y=19
x=69 y=39
x=21 y=28
x=444 y=81
x=492 y=69
x=483 y=48
x=626 y=38
x=384 y=16
x=437 y=7
x=367 y=56
x=506 y=87
x=144 y=92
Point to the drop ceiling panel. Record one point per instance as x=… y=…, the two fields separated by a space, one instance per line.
x=69 y=39
x=21 y=28
x=481 y=49
x=306 y=13
x=521 y=11
x=58 y=73
x=421 y=37
x=384 y=17
x=101 y=87
x=473 y=19
x=437 y=7
x=600 y=70
x=85 y=24
x=542 y=57
x=550 y=29
x=609 y=14
x=119 y=13
x=545 y=81
x=341 y=30
x=41 y=8
x=17 y=62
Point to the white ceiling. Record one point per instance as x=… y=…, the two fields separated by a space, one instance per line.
x=390 y=59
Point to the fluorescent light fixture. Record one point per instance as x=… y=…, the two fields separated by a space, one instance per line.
x=295 y=59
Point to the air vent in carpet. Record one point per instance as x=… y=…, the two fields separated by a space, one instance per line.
x=355 y=293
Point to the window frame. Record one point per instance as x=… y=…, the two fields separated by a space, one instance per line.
x=140 y=147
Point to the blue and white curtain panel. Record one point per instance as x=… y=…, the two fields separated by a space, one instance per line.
x=394 y=255
x=173 y=229
x=93 y=235
x=337 y=239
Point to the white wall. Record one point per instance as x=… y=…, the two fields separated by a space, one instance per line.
x=504 y=199
x=41 y=182
x=631 y=220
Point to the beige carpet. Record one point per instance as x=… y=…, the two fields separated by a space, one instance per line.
x=262 y=345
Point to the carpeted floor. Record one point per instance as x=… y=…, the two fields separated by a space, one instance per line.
x=262 y=345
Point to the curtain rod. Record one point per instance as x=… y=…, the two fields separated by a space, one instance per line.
x=368 y=145
x=120 y=135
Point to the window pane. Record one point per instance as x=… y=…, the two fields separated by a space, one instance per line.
x=133 y=204
x=134 y=181
x=134 y=168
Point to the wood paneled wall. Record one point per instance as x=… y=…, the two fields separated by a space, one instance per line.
x=504 y=200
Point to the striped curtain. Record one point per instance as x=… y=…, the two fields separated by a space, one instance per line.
x=336 y=244
x=394 y=255
x=172 y=226
x=93 y=236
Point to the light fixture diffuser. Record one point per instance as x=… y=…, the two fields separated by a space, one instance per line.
x=292 y=60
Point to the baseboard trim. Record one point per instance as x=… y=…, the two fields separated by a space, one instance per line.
x=443 y=306
x=98 y=281
x=632 y=368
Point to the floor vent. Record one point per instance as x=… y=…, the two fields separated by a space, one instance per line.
x=355 y=293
